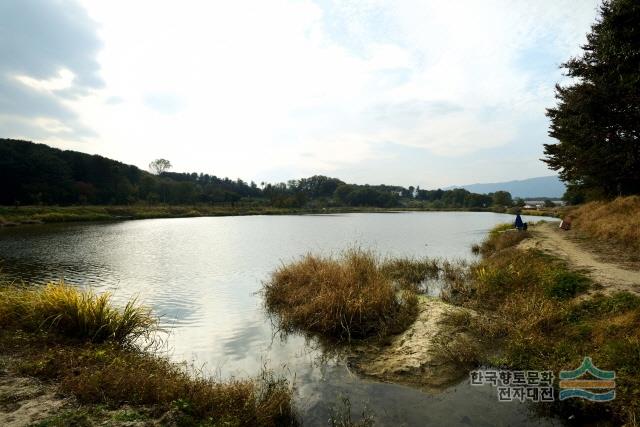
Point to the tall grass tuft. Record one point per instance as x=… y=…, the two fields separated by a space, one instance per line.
x=74 y=313
x=339 y=298
x=411 y=273
x=617 y=221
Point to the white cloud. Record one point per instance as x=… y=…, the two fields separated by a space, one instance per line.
x=63 y=80
x=244 y=88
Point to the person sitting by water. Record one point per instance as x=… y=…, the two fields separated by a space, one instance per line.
x=519 y=223
x=565 y=224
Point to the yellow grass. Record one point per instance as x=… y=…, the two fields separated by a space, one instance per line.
x=339 y=298
x=71 y=312
x=617 y=221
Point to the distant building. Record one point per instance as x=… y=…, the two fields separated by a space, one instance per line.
x=539 y=204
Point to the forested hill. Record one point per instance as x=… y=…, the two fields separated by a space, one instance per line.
x=38 y=174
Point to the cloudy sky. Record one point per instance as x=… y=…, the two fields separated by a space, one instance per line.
x=416 y=92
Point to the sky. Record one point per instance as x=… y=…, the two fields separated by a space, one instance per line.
x=405 y=92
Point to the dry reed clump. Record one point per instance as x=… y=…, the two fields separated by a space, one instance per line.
x=617 y=221
x=411 y=273
x=65 y=310
x=339 y=298
x=457 y=283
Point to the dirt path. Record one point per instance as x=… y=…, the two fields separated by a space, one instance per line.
x=549 y=238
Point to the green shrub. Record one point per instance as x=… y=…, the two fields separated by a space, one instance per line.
x=502 y=236
x=565 y=284
x=601 y=305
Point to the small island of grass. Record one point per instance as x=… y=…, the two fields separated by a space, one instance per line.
x=353 y=296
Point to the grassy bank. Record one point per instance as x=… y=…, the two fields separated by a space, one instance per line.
x=533 y=313
x=356 y=295
x=90 y=351
x=616 y=221
x=51 y=214
x=14 y=216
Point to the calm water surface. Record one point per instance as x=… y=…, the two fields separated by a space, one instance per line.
x=202 y=275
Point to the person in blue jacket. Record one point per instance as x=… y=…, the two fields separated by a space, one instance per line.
x=520 y=225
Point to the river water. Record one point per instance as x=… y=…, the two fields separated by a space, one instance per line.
x=202 y=276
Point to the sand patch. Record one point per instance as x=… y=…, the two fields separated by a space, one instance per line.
x=415 y=357
x=24 y=401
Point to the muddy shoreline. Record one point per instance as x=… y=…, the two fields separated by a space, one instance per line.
x=418 y=356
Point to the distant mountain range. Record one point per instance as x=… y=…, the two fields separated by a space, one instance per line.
x=542 y=186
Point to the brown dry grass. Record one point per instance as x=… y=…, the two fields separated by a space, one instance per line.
x=411 y=273
x=110 y=375
x=500 y=237
x=530 y=316
x=86 y=346
x=616 y=221
x=339 y=298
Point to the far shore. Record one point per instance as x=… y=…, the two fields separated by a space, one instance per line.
x=11 y=216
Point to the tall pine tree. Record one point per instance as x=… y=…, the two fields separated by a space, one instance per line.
x=597 y=117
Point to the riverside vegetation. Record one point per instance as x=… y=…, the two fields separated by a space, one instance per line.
x=91 y=351
x=373 y=314
x=15 y=216
x=533 y=312
x=12 y=216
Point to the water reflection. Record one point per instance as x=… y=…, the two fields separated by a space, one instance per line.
x=201 y=275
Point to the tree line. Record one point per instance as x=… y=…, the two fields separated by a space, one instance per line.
x=36 y=174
